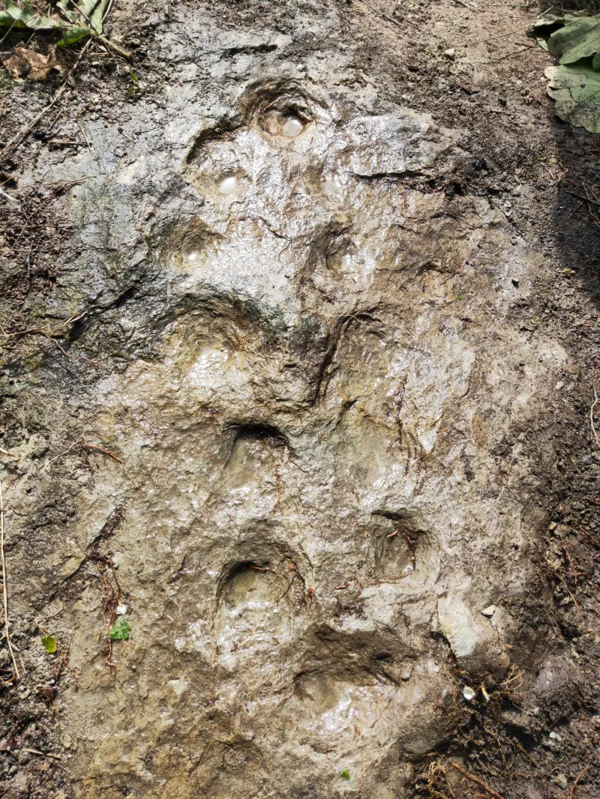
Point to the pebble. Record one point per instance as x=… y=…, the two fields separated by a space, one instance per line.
x=228 y=185
x=489 y=611
x=561 y=781
x=468 y=693
x=292 y=128
x=450 y=53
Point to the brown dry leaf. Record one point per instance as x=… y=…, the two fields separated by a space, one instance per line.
x=27 y=64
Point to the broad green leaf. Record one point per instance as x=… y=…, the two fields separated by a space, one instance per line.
x=576 y=90
x=63 y=5
x=23 y=12
x=25 y=17
x=87 y=7
x=548 y=20
x=98 y=15
x=49 y=642
x=579 y=38
x=120 y=630
x=74 y=34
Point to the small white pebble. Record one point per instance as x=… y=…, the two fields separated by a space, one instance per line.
x=192 y=256
x=489 y=611
x=292 y=128
x=468 y=693
x=121 y=610
x=347 y=264
x=228 y=185
x=555 y=736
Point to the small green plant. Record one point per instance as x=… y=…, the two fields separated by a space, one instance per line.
x=49 y=644
x=134 y=87
x=345 y=775
x=120 y=630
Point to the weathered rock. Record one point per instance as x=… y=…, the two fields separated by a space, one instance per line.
x=303 y=364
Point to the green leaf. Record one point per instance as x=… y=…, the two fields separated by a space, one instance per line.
x=87 y=6
x=74 y=34
x=25 y=17
x=345 y=775
x=120 y=630
x=576 y=90
x=49 y=642
x=549 y=20
x=579 y=38
x=98 y=15
x=63 y=5
x=547 y=23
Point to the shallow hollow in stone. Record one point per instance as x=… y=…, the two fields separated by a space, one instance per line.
x=255 y=611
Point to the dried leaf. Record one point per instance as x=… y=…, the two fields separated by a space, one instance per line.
x=32 y=65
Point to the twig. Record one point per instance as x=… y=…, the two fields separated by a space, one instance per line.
x=110 y=45
x=46 y=335
x=594 y=403
x=85 y=445
x=5 y=587
x=25 y=131
x=43 y=754
x=582 y=197
x=501 y=35
x=477 y=781
x=8 y=454
x=577 y=778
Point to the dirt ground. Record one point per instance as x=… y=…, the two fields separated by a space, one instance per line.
x=533 y=733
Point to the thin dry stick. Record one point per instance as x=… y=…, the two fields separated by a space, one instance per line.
x=85 y=445
x=501 y=35
x=594 y=403
x=4 y=587
x=577 y=778
x=25 y=131
x=477 y=781
x=44 y=754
